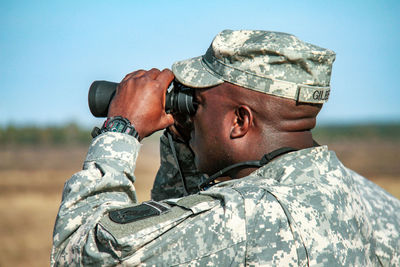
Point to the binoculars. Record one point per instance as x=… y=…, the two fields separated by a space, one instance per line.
x=179 y=99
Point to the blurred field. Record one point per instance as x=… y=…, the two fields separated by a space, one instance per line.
x=32 y=178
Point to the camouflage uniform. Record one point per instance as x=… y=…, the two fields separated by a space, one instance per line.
x=303 y=208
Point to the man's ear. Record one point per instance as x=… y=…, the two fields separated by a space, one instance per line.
x=243 y=122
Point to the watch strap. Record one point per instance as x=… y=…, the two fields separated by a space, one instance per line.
x=116 y=124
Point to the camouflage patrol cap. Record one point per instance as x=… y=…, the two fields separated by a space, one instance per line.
x=274 y=63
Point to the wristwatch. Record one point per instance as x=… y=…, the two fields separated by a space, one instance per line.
x=116 y=124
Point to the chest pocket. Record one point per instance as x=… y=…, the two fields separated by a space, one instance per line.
x=125 y=231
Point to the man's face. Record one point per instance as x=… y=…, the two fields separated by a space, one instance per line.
x=210 y=135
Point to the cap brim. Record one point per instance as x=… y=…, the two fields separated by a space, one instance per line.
x=193 y=73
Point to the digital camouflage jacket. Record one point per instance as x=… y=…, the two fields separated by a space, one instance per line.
x=303 y=208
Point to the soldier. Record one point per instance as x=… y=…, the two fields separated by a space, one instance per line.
x=291 y=203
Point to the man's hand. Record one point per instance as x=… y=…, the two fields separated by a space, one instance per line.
x=140 y=98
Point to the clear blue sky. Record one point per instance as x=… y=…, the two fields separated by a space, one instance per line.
x=51 y=51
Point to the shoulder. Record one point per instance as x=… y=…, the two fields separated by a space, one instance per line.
x=152 y=215
x=272 y=239
x=171 y=232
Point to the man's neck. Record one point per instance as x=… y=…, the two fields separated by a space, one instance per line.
x=295 y=140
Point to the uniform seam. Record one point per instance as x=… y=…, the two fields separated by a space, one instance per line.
x=246 y=222
x=287 y=215
x=207 y=255
x=290 y=225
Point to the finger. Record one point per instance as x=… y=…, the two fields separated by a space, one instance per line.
x=173 y=130
x=165 y=78
x=153 y=73
x=175 y=133
x=136 y=73
x=139 y=73
x=167 y=120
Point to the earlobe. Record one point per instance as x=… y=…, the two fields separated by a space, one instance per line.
x=242 y=123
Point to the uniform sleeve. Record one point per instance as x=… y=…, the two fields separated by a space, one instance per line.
x=105 y=183
x=100 y=222
x=168 y=183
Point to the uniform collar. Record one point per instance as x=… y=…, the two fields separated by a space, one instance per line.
x=299 y=161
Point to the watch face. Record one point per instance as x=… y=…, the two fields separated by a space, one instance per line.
x=119 y=125
x=116 y=126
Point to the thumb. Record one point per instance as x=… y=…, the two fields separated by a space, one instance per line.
x=167 y=121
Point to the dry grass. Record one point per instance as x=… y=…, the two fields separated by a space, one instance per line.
x=31 y=182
